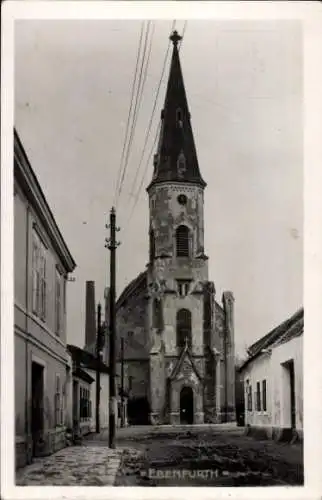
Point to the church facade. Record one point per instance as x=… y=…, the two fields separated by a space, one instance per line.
x=177 y=358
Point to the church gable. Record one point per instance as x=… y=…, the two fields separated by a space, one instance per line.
x=185 y=368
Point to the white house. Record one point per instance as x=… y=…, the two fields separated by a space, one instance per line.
x=84 y=391
x=273 y=381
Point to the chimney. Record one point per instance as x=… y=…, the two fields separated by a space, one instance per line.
x=90 y=318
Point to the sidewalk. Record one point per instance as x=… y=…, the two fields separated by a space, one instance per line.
x=84 y=465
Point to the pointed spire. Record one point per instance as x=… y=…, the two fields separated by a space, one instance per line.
x=176 y=157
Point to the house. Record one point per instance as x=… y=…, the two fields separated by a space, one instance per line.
x=85 y=366
x=178 y=338
x=42 y=263
x=273 y=381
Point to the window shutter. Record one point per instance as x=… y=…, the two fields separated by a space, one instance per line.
x=43 y=285
x=264 y=395
x=34 y=275
x=182 y=241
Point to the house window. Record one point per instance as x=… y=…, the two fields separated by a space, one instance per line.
x=258 y=396
x=58 y=401
x=182 y=241
x=85 y=407
x=183 y=327
x=264 y=395
x=183 y=288
x=58 y=303
x=249 y=398
x=39 y=294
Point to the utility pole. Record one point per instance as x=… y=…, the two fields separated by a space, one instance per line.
x=98 y=372
x=112 y=244
x=122 y=382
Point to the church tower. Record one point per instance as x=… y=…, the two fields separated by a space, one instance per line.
x=178 y=357
x=178 y=267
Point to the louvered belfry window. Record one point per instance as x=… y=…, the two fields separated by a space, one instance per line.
x=182 y=241
x=183 y=327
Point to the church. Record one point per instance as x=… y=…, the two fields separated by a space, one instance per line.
x=176 y=360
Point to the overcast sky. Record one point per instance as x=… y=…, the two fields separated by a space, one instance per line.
x=244 y=87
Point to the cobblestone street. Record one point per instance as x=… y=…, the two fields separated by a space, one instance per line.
x=171 y=456
x=73 y=466
x=218 y=455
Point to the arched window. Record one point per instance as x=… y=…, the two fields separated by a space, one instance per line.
x=182 y=241
x=152 y=245
x=183 y=327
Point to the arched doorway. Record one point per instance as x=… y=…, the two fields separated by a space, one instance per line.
x=186 y=405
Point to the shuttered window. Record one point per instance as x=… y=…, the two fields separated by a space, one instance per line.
x=58 y=414
x=58 y=303
x=249 y=399
x=182 y=241
x=39 y=283
x=264 y=395
x=258 y=396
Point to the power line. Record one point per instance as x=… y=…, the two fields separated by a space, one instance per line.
x=145 y=171
x=183 y=33
x=147 y=135
x=138 y=100
x=130 y=111
x=149 y=129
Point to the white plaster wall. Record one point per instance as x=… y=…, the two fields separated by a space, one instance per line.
x=270 y=367
x=257 y=371
x=292 y=350
x=104 y=400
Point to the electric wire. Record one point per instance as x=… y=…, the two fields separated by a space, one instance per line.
x=183 y=33
x=138 y=100
x=145 y=171
x=149 y=127
x=129 y=114
x=148 y=131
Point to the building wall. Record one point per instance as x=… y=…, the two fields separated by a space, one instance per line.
x=292 y=350
x=271 y=367
x=257 y=371
x=104 y=400
x=36 y=338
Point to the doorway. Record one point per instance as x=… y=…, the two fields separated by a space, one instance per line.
x=76 y=417
x=289 y=395
x=37 y=398
x=186 y=405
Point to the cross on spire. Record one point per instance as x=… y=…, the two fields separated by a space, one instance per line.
x=175 y=38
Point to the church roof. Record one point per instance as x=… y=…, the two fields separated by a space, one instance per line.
x=138 y=283
x=176 y=157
